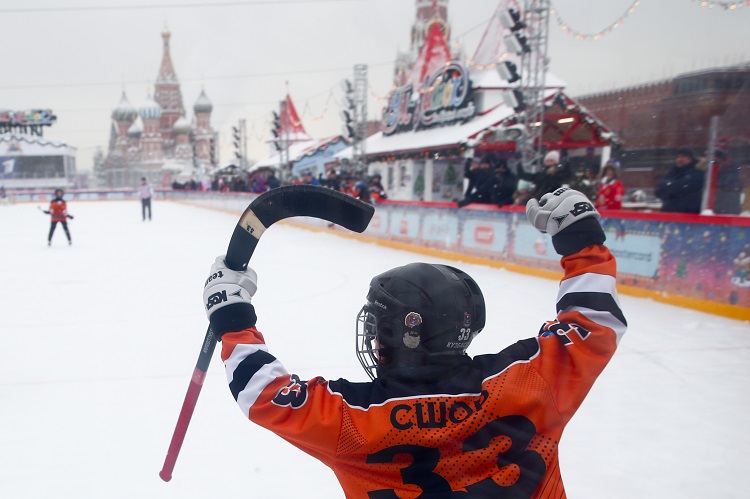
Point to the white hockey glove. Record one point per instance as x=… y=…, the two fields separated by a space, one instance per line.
x=569 y=217
x=227 y=296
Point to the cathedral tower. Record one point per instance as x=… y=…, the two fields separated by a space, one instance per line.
x=123 y=116
x=152 y=142
x=429 y=12
x=205 y=139
x=167 y=94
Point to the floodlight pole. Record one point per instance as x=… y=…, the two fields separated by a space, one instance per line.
x=284 y=138
x=533 y=81
x=359 y=117
x=243 y=143
x=713 y=131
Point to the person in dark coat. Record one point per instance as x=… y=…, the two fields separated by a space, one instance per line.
x=481 y=180
x=377 y=191
x=309 y=179
x=361 y=191
x=272 y=182
x=729 y=184
x=550 y=178
x=504 y=185
x=332 y=180
x=681 y=189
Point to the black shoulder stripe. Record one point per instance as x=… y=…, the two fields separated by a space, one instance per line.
x=595 y=301
x=464 y=380
x=247 y=369
x=520 y=351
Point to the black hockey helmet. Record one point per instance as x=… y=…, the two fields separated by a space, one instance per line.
x=418 y=315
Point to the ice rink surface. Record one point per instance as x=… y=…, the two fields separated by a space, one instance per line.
x=99 y=341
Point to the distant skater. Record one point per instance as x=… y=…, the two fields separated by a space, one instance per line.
x=58 y=210
x=146 y=192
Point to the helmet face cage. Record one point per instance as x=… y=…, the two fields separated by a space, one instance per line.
x=367 y=346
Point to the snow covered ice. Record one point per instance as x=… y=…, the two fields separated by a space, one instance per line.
x=99 y=341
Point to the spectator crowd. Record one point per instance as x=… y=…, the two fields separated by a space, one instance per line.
x=502 y=181
x=491 y=180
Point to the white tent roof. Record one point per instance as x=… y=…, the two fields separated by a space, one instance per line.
x=297 y=151
x=19 y=144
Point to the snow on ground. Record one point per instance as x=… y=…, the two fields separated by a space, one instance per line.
x=99 y=341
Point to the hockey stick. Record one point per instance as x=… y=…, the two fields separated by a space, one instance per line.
x=264 y=211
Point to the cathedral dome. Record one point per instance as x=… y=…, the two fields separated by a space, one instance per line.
x=125 y=111
x=202 y=104
x=150 y=110
x=136 y=129
x=182 y=125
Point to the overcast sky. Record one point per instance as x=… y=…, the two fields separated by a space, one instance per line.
x=76 y=56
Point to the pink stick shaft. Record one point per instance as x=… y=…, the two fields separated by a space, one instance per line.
x=186 y=413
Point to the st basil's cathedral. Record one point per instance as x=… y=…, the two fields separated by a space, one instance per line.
x=157 y=140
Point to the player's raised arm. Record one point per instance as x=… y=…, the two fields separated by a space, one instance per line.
x=262 y=387
x=579 y=342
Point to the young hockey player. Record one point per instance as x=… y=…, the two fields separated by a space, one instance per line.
x=434 y=422
x=146 y=192
x=58 y=211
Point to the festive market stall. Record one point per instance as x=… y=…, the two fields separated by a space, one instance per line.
x=429 y=129
x=294 y=151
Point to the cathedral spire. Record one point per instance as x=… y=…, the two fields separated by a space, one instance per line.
x=166 y=70
x=167 y=92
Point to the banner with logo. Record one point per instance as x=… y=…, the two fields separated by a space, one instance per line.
x=708 y=261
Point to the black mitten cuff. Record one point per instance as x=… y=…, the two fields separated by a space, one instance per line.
x=577 y=236
x=232 y=318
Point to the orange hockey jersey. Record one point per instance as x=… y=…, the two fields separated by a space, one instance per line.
x=490 y=429
x=58 y=210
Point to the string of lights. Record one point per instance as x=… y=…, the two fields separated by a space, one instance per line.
x=377 y=97
x=722 y=5
x=307 y=111
x=482 y=67
x=564 y=26
x=259 y=136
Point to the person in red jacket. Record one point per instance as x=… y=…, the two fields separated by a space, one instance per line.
x=611 y=190
x=58 y=211
x=433 y=421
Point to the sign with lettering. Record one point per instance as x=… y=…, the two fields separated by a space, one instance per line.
x=445 y=99
x=28 y=117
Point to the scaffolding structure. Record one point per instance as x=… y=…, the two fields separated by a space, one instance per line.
x=532 y=85
x=354 y=114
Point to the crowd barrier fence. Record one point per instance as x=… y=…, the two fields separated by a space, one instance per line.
x=694 y=261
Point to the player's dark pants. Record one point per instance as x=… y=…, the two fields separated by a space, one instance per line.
x=146 y=205
x=52 y=228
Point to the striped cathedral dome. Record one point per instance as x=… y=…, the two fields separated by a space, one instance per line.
x=125 y=111
x=150 y=110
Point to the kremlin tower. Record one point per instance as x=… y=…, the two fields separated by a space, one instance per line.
x=156 y=139
x=429 y=13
